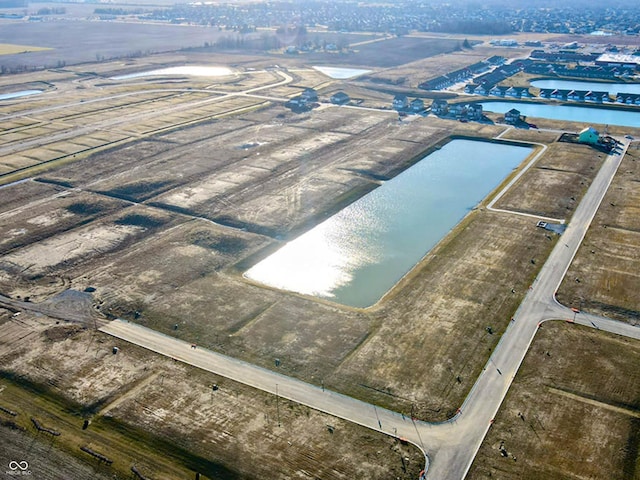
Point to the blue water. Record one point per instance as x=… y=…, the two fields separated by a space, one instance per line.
x=196 y=71
x=357 y=255
x=341 y=72
x=612 y=88
x=603 y=116
x=23 y=93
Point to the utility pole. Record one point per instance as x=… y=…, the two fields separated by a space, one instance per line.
x=277 y=405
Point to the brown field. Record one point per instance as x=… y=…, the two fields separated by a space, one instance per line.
x=572 y=411
x=10 y=49
x=146 y=410
x=603 y=277
x=189 y=198
x=563 y=174
x=173 y=187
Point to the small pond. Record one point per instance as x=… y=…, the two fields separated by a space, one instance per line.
x=340 y=72
x=358 y=254
x=196 y=71
x=22 y=93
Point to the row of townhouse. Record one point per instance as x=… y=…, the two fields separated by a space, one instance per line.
x=608 y=73
x=574 y=95
x=444 y=81
x=498 y=91
x=578 y=71
x=462 y=74
x=628 y=98
x=471 y=111
x=564 y=56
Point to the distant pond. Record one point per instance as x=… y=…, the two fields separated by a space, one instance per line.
x=358 y=254
x=341 y=72
x=612 y=88
x=22 y=93
x=603 y=116
x=196 y=71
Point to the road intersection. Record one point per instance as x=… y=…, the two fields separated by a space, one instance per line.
x=450 y=446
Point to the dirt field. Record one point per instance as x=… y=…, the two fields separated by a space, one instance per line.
x=564 y=174
x=604 y=277
x=157 y=206
x=572 y=411
x=145 y=410
x=175 y=218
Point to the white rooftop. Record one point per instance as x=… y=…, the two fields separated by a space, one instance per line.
x=619 y=57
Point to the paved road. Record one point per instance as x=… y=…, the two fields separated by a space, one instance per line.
x=454 y=459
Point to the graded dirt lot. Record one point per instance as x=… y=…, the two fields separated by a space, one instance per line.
x=604 y=276
x=572 y=411
x=163 y=228
x=154 y=196
x=554 y=184
x=148 y=411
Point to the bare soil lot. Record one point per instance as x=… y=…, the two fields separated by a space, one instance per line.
x=164 y=227
x=604 y=277
x=145 y=410
x=563 y=174
x=197 y=187
x=572 y=411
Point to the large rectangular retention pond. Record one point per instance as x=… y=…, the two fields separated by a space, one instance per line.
x=358 y=254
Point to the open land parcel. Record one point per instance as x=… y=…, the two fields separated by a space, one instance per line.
x=163 y=222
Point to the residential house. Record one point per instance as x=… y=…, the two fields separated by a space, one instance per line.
x=512 y=117
x=474 y=112
x=525 y=92
x=458 y=110
x=576 y=95
x=589 y=135
x=496 y=60
x=513 y=92
x=483 y=89
x=340 y=98
x=470 y=87
x=546 y=92
x=628 y=98
x=597 y=97
x=440 y=107
x=437 y=83
x=499 y=90
x=310 y=95
x=299 y=104
x=400 y=102
x=559 y=94
x=417 y=105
